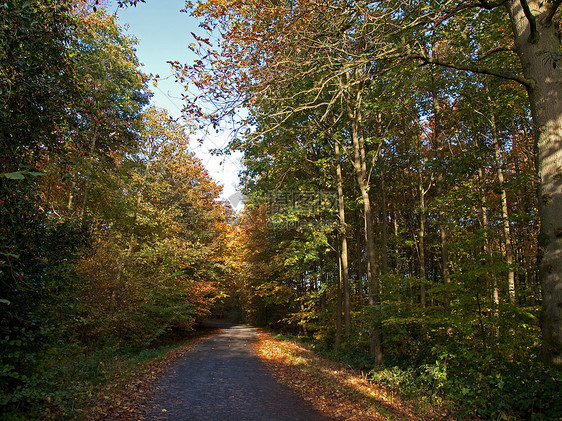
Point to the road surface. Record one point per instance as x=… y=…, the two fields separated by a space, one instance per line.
x=222 y=379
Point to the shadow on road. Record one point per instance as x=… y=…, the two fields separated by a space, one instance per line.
x=217 y=324
x=223 y=379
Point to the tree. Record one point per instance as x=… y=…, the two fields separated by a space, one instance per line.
x=158 y=262
x=37 y=88
x=422 y=101
x=269 y=47
x=536 y=39
x=113 y=92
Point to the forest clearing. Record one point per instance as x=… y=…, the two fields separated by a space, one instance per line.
x=399 y=247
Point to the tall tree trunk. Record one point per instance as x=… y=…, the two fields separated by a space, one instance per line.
x=121 y=262
x=421 y=241
x=337 y=341
x=538 y=47
x=384 y=228
x=438 y=143
x=361 y=173
x=71 y=196
x=119 y=278
x=421 y=230
x=488 y=248
x=361 y=266
x=443 y=236
x=396 y=229
x=343 y=245
x=301 y=290
x=505 y=210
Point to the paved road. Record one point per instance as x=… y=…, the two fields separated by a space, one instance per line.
x=222 y=379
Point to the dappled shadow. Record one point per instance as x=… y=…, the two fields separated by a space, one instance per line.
x=336 y=391
x=217 y=324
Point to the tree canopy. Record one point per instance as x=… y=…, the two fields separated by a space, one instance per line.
x=393 y=153
x=112 y=232
x=425 y=120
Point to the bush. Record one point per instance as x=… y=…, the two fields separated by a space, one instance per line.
x=478 y=387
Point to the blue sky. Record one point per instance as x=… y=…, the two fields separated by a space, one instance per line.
x=164 y=35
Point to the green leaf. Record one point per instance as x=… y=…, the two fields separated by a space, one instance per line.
x=20 y=175
x=3 y=301
x=15 y=256
x=13 y=175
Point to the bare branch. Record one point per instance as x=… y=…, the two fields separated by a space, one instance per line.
x=529 y=84
x=534 y=36
x=489 y=5
x=449 y=14
x=502 y=48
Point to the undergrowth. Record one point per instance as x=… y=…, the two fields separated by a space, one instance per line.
x=68 y=378
x=463 y=383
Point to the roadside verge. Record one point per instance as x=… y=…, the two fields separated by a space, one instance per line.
x=333 y=389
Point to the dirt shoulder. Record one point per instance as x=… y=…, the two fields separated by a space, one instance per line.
x=333 y=389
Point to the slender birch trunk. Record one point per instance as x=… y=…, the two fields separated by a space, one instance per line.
x=360 y=165
x=504 y=205
x=343 y=246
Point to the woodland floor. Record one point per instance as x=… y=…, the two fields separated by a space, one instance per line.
x=333 y=389
x=242 y=373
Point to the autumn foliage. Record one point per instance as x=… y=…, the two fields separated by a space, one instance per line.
x=414 y=115
x=392 y=220
x=113 y=235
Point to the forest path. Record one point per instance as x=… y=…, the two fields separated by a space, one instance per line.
x=223 y=379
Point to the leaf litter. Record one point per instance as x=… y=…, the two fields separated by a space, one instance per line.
x=127 y=397
x=333 y=389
